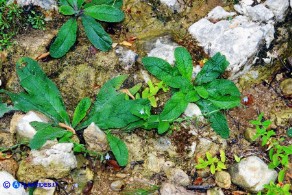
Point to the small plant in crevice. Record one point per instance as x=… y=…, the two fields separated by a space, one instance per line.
x=101 y=10
x=209 y=92
x=36 y=20
x=278 y=155
x=213 y=163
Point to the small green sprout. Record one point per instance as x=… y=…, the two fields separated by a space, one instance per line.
x=213 y=162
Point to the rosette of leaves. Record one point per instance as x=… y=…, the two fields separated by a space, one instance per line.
x=211 y=93
x=109 y=111
x=90 y=14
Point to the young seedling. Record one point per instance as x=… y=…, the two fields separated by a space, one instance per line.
x=90 y=14
x=214 y=163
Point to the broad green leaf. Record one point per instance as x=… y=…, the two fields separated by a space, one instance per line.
x=41 y=93
x=44 y=132
x=66 y=38
x=216 y=118
x=63 y=2
x=119 y=149
x=223 y=93
x=178 y=82
x=115 y=3
x=135 y=89
x=5 y=109
x=174 y=107
x=202 y=92
x=66 y=10
x=111 y=109
x=212 y=69
x=163 y=127
x=80 y=111
x=158 y=67
x=105 y=13
x=79 y=3
x=184 y=62
x=142 y=111
x=96 y=34
x=192 y=96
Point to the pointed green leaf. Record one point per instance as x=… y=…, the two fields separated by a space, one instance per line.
x=163 y=127
x=66 y=38
x=104 y=13
x=202 y=92
x=212 y=69
x=5 y=109
x=222 y=156
x=96 y=34
x=212 y=169
x=44 y=132
x=41 y=93
x=119 y=149
x=174 y=107
x=115 y=3
x=184 y=62
x=66 y=10
x=80 y=111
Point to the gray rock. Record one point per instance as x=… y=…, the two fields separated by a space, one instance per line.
x=286 y=87
x=177 y=176
x=50 y=190
x=252 y=174
x=154 y=163
x=95 y=138
x=223 y=179
x=249 y=134
x=164 y=49
x=127 y=57
x=6 y=177
x=259 y=13
x=239 y=40
x=219 y=13
x=52 y=161
x=279 y=8
x=45 y=4
x=171 y=189
x=215 y=191
x=117 y=185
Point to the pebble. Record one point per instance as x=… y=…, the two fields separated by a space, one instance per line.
x=117 y=185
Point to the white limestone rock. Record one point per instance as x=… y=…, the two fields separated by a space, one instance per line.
x=7 y=177
x=20 y=124
x=279 y=8
x=127 y=57
x=52 y=161
x=219 y=13
x=259 y=13
x=174 y=5
x=193 y=110
x=45 y=4
x=252 y=174
x=164 y=49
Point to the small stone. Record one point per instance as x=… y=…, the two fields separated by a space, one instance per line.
x=215 y=191
x=252 y=174
x=249 y=134
x=49 y=190
x=45 y=4
x=117 y=185
x=223 y=179
x=193 y=110
x=259 y=13
x=174 y=5
x=286 y=87
x=95 y=138
x=127 y=57
x=178 y=176
x=6 y=178
x=154 y=163
x=171 y=189
x=9 y=165
x=121 y=175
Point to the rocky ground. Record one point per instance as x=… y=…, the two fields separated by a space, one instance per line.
x=255 y=36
